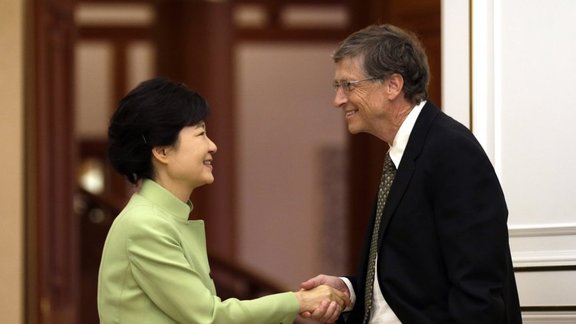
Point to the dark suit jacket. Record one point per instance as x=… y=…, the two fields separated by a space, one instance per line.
x=443 y=254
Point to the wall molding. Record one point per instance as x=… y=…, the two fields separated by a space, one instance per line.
x=546 y=317
x=547 y=256
x=544 y=258
x=542 y=230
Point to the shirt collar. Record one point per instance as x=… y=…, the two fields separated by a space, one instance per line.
x=165 y=200
x=401 y=140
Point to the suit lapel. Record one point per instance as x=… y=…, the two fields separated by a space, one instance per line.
x=408 y=163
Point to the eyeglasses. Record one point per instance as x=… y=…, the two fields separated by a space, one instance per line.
x=348 y=85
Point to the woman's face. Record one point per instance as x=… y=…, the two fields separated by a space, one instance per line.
x=189 y=160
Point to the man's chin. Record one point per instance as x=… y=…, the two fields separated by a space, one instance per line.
x=353 y=130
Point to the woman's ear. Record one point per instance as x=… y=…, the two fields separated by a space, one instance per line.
x=159 y=153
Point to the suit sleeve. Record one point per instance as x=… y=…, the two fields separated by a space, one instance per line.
x=160 y=268
x=471 y=218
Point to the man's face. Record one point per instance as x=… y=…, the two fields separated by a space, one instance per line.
x=362 y=102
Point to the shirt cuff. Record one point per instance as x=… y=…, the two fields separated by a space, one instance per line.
x=352 y=294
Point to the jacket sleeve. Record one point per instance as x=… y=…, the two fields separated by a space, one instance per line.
x=471 y=216
x=159 y=267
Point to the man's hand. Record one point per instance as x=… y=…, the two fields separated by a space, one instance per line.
x=327 y=312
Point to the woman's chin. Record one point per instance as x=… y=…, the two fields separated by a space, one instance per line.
x=209 y=180
x=205 y=182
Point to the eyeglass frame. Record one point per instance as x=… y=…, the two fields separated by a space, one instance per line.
x=348 y=85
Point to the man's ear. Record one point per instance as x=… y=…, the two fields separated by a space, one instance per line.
x=395 y=85
x=159 y=153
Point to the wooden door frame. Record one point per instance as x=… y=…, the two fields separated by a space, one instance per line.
x=194 y=40
x=51 y=284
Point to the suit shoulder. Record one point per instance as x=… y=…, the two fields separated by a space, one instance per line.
x=140 y=214
x=449 y=133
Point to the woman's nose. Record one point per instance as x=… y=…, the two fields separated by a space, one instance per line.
x=213 y=148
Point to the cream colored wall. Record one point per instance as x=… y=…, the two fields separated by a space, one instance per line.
x=517 y=58
x=285 y=122
x=12 y=162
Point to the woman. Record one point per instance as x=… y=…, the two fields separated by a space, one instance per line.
x=154 y=266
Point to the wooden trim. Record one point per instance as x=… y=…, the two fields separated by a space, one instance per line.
x=32 y=311
x=114 y=32
x=51 y=228
x=114 y=1
x=119 y=64
x=291 y=35
x=546 y=268
x=291 y=2
x=562 y=308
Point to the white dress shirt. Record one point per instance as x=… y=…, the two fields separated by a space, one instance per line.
x=381 y=311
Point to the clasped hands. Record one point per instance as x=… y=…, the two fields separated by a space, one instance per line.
x=323 y=298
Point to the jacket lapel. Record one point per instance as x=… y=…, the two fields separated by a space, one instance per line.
x=408 y=163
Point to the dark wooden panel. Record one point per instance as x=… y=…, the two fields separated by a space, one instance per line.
x=51 y=228
x=291 y=2
x=195 y=43
x=366 y=153
x=291 y=35
x=546 y=268
x=562 y=308
x=116 y=33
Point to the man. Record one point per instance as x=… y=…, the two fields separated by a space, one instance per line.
x=441 y=251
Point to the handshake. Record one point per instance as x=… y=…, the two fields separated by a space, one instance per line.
x=323 y=298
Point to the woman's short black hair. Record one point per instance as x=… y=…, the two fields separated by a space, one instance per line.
x=151 y=115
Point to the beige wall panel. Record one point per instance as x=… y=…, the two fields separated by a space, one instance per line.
x=11 y=190
x=285 y=122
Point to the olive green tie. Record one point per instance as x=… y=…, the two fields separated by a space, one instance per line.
x=388 y=173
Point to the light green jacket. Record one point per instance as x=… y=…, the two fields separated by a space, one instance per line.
x=155 y=270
